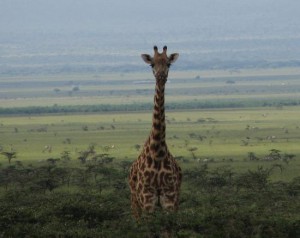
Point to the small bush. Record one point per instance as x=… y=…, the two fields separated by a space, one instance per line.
x=71 y=199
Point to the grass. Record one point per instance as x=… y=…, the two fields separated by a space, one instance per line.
x=269 y=84
x=224 y=135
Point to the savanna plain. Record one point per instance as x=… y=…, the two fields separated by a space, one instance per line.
x=67 y=142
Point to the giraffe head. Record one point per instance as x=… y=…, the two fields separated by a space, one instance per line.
x=160 y=63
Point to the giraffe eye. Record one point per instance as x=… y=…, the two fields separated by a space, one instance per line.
x=168 y=65
x=152 y=65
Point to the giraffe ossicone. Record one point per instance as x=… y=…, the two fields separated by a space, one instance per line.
x=155 y=177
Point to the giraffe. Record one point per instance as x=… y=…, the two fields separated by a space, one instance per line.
x=155 y=177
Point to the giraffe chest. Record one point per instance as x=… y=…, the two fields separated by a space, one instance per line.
x=156 y=174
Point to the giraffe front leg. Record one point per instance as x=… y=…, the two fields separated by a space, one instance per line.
x=150 y=201
x=147 y=198
x=169 y=201
x=169 y=198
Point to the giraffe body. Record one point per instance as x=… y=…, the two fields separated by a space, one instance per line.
x=155 y=177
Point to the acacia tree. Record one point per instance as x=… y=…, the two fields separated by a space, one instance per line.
x=252 y=156
x=9 y=155
x=275 y=154
x=86 y=153
x=65 y=156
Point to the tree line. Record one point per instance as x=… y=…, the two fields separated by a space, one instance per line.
x=89 y=197
x=146 y=106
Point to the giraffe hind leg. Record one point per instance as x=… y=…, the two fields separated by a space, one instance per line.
x=135 y=208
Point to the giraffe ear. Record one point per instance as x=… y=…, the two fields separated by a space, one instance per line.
x=147 y=58
x=173 y=58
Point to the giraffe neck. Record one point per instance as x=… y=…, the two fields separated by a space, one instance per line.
x=158 y=147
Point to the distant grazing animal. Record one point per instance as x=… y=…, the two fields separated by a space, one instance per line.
x=47 y=148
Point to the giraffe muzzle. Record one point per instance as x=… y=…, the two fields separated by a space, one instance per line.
x=161 y=77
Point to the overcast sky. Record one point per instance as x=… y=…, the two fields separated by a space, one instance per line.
x=198 y=29
x=149 y=16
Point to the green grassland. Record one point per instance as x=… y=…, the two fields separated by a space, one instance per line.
x=214 y=115
x=247 y=87
x=223 y=136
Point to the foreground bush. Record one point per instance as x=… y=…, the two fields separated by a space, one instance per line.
x=56 y=199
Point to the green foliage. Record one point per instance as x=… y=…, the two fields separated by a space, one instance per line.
x=71 y=199
x=185 y=105
x=9 y=155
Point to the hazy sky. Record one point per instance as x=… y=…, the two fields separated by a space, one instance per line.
x=207 y=29
x=154 y=15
